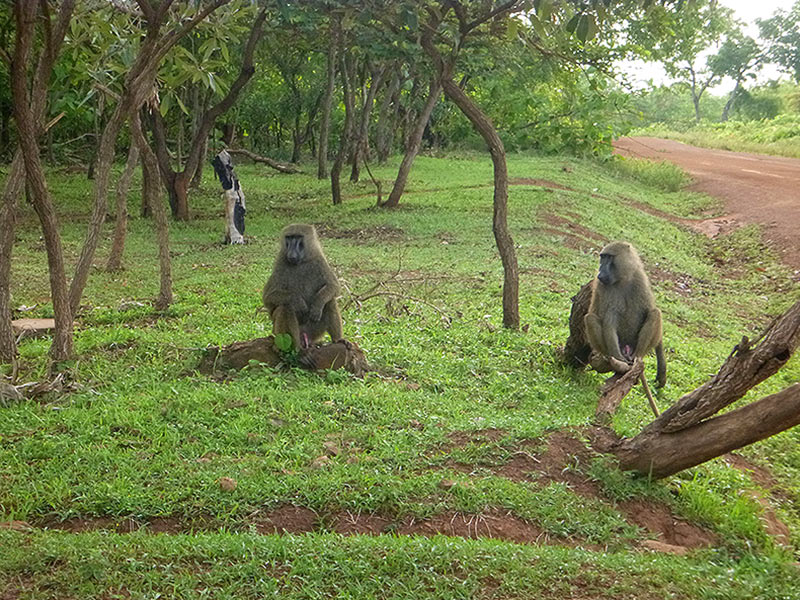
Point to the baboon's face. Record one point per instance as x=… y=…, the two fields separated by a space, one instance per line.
x=608 y=271
x=294 y=249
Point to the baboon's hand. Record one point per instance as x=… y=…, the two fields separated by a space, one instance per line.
x=315 y=313
x=301 y=306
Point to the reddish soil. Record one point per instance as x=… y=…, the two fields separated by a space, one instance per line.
x=755 y=188
x=761 y=476
x=491 y=524
x=564 y=459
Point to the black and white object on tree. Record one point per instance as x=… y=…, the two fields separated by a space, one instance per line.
x=233 y=195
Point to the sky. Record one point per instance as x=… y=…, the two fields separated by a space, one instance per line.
x=747 y=11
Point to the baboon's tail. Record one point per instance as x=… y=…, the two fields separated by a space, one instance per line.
x=661 y=365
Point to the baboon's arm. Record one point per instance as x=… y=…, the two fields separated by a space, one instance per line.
x=326 y=293
x=649 y=334
x=611 y=340
x=594 y=331
x=283 y=297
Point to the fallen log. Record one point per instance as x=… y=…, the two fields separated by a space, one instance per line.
x=337 y=355
x=287 y=168
x=684 y=436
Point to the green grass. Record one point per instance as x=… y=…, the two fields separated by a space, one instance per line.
x=779 y=136
x=143 y=436
x=662 y=174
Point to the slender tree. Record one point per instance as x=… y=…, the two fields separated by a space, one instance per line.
x=29 y=110
x=444 y=69
x=413 y=145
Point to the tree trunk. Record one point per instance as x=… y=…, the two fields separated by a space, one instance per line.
x=660 y=455
x=25 y=14
x=197 y=180
x=5 y=129
x=361 y=148
x=17 y=174
x=121 y=226
x=731 y=100
x=344 y=142
x=327 y=100
x=139 y=84
x=414 y=143
x=482 y=124
x=577 y=348
x=105 y=158
x=8 y=213
x=278 y=166
x=151 y=191
x=383 y=134
x=684 y=435
x=406 y=128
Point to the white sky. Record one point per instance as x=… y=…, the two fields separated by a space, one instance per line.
x=747 y=11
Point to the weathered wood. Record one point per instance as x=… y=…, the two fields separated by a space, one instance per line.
x=30 y=328
x=615 y=389
x=337 y=355
x=749 y=364
x=660 y=454
x=278 y=166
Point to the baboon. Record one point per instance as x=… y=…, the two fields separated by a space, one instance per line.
x=623 y=322
x=300 y=294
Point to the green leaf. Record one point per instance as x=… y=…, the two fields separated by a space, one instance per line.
x=166 y=104
x=587 y=28
x=182 y=105
x=573 y=23
x=283 y=341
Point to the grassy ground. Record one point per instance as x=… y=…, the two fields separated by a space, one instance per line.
x=779 y=136
x=465 y=428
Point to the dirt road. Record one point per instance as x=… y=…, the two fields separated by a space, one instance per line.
x=756 y=188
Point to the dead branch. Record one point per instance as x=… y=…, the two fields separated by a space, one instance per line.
x=748 y=365
x=615 y=389
x=278 y=166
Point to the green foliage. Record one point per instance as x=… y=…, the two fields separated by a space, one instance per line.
x=782 y=30
x=780 y=136
x=662 y=174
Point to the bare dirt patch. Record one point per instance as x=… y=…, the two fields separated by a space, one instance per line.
x=574 y=235
x=570 y=224
x=566 y=458
x=287 y=519
x=682 y=283
x=348 y=523
x=490 y=524
x=564 y=461
x=462 y=439
x=659 y=520
x=383 y=233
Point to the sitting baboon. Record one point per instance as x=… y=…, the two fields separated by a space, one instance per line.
x=623 y=321
x=301 y=292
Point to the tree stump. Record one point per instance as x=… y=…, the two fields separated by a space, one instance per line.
x=31 y=328
x=337 y=355
x=577 y=349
